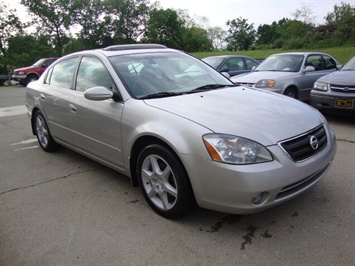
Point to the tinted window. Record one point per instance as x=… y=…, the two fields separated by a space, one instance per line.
x=92 y=73
x=316 y=61
x=234 y=64
x=49 y=62
x=62 y=73
x=250 y=63
x=329 y=62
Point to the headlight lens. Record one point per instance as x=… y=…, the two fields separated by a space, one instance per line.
x=235 y=150
x=265 y=83
x=21 y=73
x=321 y=86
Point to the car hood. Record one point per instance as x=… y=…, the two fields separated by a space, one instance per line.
x=340 y=78
x=261 y=116
x=25 y=68
x=254 y=77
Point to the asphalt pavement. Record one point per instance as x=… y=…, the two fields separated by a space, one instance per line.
x=64 y=209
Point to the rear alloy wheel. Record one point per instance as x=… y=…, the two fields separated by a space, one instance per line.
x=164 y=182
x=43 y=135
x=291 y=92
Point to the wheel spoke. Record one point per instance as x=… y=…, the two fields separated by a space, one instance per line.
x=159 y=182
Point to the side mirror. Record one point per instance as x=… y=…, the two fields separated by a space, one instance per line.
x=224 y=69
x=309 y=69
x=98 y=94
x=226 y=75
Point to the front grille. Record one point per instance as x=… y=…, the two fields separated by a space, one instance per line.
x=342 y=88
x=245 y=84
x=301 y=148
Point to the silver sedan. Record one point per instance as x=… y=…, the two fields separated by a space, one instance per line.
x=180 y=130
x=291 y=74
x=336 y=91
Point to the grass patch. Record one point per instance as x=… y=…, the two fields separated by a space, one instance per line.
x=342 y=54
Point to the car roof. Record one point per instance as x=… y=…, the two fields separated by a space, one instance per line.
x=300 y=53
x=224 y=56
x=125 y=49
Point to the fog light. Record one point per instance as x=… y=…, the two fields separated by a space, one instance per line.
x=258 y=199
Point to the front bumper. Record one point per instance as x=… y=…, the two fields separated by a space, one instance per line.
x=328 y=102
x=235 y=188
x=19 y=77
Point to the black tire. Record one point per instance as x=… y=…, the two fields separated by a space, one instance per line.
x=43 y=134
x=30 y=78
x=164 y=182
x=291 y=92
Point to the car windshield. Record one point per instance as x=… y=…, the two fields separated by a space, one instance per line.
x=164 y=74
x=350 y=65
x=39 y=63
x=213 y=61
x=282 y=63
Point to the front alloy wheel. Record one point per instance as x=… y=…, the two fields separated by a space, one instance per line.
x=164 y=182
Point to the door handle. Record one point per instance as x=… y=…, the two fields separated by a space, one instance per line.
x=42 y=96
x=72 y=108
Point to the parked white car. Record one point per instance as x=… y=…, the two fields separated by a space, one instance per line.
x=180 y=130
x=291 y=74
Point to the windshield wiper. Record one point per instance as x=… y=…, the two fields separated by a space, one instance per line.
x=160 y=95
x=210 y=87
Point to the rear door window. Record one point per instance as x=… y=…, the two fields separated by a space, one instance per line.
x=62 y=73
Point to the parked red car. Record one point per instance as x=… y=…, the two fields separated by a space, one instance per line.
x=27 y=74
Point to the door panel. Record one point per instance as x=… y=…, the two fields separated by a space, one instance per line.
x=55 y=98
x=96 y=125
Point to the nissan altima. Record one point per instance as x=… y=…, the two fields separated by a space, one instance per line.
x=180 y=130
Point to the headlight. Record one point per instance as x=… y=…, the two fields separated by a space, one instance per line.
x=235 y=150
x=265 y=83
x=321 y=86
x=21 y=73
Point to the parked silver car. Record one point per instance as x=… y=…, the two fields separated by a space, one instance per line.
x=180 y=130
x=291 y=74
x=336 y=91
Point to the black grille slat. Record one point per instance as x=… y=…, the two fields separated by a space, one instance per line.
x=341 y=88
x=300 y=148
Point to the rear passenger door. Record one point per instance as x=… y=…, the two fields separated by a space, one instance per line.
x=55 y=98
x=96 y=125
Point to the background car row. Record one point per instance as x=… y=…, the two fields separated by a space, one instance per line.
x=316 y=78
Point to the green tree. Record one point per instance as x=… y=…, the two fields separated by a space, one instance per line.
x=127 y=19
x=96 y=28
x=196 y=40
x=267 y=34
x=165 y=27
x=36 y=48
x=54 y=18
x=241 y=34
x=175 y=29
x=342 y=20
x=10 y=24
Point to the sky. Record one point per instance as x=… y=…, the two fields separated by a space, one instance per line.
x=256 y=12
